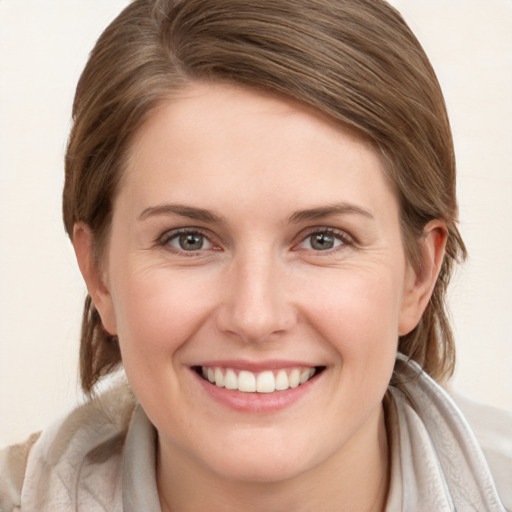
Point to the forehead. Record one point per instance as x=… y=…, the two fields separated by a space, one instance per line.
x=214 y=137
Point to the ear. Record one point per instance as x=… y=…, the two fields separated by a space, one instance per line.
x=419 y=285
x=93 y=276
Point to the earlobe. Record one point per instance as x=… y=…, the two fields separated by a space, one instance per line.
x=94 y=279
x=420 y=284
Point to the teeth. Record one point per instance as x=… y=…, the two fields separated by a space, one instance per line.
x=264 y=382
x=306 y=375
x=231 y=380
x=282 y=381
x=294 y=378
x=219 y=378
x=246 y=382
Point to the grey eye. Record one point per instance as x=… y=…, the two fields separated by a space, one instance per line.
x=191 y=241
x=322 y=241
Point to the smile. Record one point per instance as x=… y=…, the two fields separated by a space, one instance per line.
x=268 y=381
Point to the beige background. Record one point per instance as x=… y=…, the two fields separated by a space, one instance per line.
x=43 y=46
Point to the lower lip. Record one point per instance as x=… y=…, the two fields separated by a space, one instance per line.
x=256 y=402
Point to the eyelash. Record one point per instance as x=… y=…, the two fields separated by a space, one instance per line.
x=168 y=236
x=341 y=236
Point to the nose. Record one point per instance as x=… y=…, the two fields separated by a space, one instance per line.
x=256 y=305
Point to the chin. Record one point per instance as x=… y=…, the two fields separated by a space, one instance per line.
x=262 y=459
x=258 y=470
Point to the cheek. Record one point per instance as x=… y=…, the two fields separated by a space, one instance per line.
x=357 y=314
x=157 y=311
x=362 y=307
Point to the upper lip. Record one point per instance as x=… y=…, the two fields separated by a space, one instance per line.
x=256 y=366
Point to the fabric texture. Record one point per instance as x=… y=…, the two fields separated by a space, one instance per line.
x=101 y=456
x=436 y=460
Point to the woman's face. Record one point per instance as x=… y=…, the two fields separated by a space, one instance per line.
x=255 y=244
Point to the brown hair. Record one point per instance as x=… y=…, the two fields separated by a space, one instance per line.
x=354 y=60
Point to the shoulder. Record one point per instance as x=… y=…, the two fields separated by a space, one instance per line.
x=13 y=463
x=48 y=463
x=468 y=444
x=493 y=429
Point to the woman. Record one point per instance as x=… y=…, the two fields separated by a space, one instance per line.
x=261 y=197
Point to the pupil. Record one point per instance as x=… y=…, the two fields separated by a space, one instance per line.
x=322 y=241
x=191 y=242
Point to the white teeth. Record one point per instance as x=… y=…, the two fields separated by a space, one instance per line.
x=265 y=382
x=282 y=381
x=230 y=380
x=219 y=378
x=246 y=382
x=294 y=378
x=306 y=375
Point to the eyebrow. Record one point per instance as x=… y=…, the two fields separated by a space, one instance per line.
x=183 y=211
x=204 y=215
x=326 y=211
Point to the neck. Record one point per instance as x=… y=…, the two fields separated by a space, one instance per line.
x=355 y=478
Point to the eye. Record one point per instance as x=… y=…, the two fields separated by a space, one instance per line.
x=188 y=241
x=324 y=240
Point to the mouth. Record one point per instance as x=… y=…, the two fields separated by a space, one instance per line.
x=264 y=382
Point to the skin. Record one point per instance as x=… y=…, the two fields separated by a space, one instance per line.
x=259 y=291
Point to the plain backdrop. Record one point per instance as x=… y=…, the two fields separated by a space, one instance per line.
x=43 y=47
